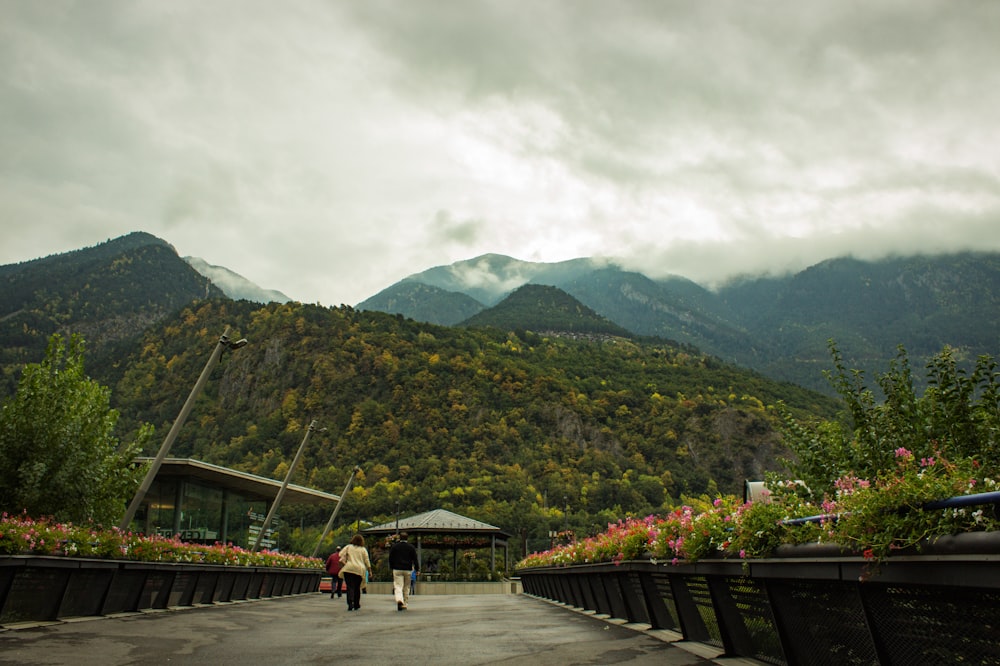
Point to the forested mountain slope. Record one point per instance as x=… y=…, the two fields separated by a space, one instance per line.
x=107 y=293
x=480 y=421
x=535 y=307
x=778 y=325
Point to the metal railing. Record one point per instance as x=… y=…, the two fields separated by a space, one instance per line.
x=961 y=501
x=807 y=607
x=45 y=588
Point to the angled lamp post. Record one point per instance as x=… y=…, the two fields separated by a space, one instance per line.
x=284 y=485
x=336 y=509
x=140 y=494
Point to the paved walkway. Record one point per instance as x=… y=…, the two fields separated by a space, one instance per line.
x=314 y=629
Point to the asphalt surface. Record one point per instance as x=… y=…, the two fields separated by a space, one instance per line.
x=315 y=629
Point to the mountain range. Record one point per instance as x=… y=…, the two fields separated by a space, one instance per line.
x=234 y=285
x=535 y=391
x=780 y=326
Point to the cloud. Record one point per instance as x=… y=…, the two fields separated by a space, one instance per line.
x=461 y=232
x=328 y=149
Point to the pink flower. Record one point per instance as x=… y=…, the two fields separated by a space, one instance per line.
x=903 y=452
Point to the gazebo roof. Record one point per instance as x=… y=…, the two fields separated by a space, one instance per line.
x=438 y=521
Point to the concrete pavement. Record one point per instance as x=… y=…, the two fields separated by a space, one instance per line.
x=314 y=629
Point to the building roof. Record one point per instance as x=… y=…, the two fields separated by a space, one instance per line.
x=438 y=521
x=250 y=485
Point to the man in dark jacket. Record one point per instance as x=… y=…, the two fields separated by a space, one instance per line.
x=402 y=560
x=333 y=568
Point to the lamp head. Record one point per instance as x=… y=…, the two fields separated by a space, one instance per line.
x=228 y=344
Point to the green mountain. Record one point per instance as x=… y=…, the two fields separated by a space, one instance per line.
x=777 y=325
x=488 y=419
x=108 y=293
x=674 y=308
x=234 y=285
x=417 y=300
x=542 y=309
x=480 y=421
x=870 y=308
x=486 y=279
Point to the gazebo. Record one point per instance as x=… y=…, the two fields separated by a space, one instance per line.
x=444 y=530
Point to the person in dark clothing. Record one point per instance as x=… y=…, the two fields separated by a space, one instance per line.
x=403 y=559
x=333 y=568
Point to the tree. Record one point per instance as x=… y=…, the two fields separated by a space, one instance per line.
x=957 y=417
x=59 y=456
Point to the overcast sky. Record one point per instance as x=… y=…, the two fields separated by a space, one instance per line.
x=329 y=149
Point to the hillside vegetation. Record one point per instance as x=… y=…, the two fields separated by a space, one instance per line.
x=506 y=428
x=539 y=308
x=107 y=293
x=777 y=325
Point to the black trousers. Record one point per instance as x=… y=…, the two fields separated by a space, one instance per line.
x=353 y=590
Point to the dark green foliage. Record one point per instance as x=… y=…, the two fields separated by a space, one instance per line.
x=539 y=308
x=106 y=293
x=424 y=302
x=490 y=424
x=776 y=325
x=957 y=417
x=870 y=307
x=58 y=452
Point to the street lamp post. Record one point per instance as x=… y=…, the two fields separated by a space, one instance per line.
x=284 y=486
x=140 y=494
x=336 y=509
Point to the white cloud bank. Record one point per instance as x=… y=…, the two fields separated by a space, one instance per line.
x=328 y=149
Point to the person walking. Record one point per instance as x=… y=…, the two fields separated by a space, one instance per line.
x=403 y=560
x=354 y=565
x=333 y=568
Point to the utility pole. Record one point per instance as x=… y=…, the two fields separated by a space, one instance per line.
x=336 y=509
x=284 y=486
x=140 y=494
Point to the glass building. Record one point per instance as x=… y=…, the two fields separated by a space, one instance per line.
x=205 y=503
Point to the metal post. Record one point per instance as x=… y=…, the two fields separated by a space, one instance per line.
x=284 y=486
x=168 y=441
x=333 y=516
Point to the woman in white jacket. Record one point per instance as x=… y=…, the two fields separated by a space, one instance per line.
x=355 y=563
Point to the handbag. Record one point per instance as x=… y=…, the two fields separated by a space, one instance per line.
x=344 y=559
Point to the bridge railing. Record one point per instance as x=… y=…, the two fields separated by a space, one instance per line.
x=808 y=605
x=44 y=588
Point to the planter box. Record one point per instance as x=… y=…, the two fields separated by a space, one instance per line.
x=35 y=592
x=47 y=588
x=810 y=606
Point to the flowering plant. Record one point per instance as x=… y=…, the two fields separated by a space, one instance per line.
x=22 y=534
x=873 y=484
x=892 y=513
x=874 y=518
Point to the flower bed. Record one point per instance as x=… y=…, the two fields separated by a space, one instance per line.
x=903 y=511
x=51 y=570
x=22 y=534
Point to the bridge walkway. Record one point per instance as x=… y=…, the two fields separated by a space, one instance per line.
x=315 y=629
